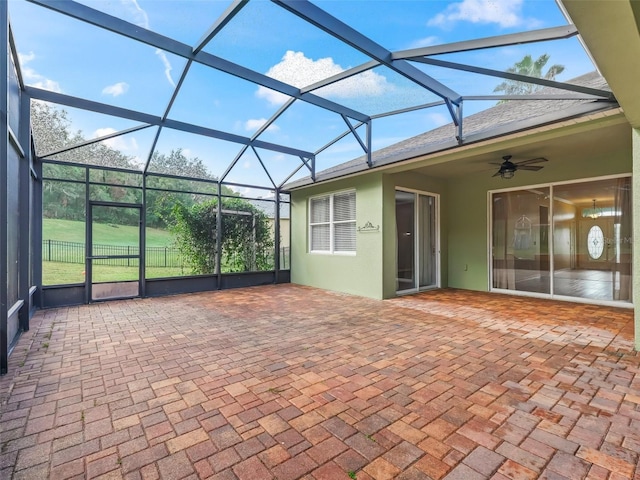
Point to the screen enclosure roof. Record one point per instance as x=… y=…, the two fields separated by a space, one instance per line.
x=268 y=93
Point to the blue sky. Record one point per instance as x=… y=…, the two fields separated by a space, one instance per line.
x=69 y=56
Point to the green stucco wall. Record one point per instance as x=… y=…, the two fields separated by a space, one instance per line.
x=468 y=210
x=372 y=271
x=359 y=274
x=464 y=219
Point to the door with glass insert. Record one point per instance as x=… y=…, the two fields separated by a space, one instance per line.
x=416 y=241
x=113 y=267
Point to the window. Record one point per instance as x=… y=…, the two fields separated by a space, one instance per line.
x=595 y=242
x=332 y=223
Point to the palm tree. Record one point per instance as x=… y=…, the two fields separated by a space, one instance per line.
x=528 y=67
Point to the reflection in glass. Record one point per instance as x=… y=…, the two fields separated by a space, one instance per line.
x=591 y=247
x=521 y=240
x=405 y=213
x=427 y=240
x=592 y=239
x=416 y=230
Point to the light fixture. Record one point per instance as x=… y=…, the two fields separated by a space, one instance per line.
x=507 y=168
x=595 y=212
x=507 y=174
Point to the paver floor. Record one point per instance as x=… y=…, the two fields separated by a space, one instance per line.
x=286 y=382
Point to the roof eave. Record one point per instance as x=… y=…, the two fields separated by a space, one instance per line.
x=580 y=113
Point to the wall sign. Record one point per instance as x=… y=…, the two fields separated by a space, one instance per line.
x=369 y=227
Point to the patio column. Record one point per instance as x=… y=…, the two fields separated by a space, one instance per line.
x=635 y=135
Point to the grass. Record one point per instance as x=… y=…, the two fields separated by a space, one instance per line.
x=55 y=273
x=59 y=273
x=103 y=233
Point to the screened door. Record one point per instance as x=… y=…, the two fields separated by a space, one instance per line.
x=113 y=268
x=416 y=241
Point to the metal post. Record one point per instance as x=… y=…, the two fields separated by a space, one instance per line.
x=369 y=145
x=88 y=238
x=142 y=244
x=276 y=240
x=460 y=131
x=254 y=266
x=24 y=213
x=4 y=153
x=218 y=251
x=36 y=223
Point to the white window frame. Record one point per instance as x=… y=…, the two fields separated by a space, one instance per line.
x=332 y=223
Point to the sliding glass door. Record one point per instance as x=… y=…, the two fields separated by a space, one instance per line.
x=564 y=240
x=417 y=241
x=521 y=240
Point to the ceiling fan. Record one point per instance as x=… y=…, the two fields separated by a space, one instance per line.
x=508 y=168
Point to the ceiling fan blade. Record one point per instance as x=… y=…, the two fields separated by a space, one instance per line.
x=533 y=168
x=496 y=174
x=531 y=160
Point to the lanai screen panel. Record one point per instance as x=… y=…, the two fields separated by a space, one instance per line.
x=244 y=72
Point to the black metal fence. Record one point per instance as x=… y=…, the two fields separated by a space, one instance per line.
x=74 y=252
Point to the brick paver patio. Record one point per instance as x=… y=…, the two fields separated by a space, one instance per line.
x=286 y=382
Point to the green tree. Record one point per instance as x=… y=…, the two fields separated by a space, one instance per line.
x=176 y=163
x=184 y=206
x=246 y=245
x=527 y=66
x=52 y=131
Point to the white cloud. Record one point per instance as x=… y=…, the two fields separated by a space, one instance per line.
x=25 y=58
x=425 y=42
x=506 y=13
x=254 y=124
x=139 y=15
x=141 y=19
x=246 y=164
x=33 y=78
x=128 y=146
x=297 y=70
x=167 y=66
x=116 y=89
x=438 y=119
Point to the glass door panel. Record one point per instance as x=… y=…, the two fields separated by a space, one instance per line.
x=520 y=243
x=427 y=240
x=592 y=255
x=417 y=241
x=114 y=263
x=405 y=230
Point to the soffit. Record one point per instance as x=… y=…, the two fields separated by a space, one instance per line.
x=610 y=31
x=568 y=147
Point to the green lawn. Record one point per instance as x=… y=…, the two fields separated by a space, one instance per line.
x=55 y=273
x=103 y=233
x=58 y=273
